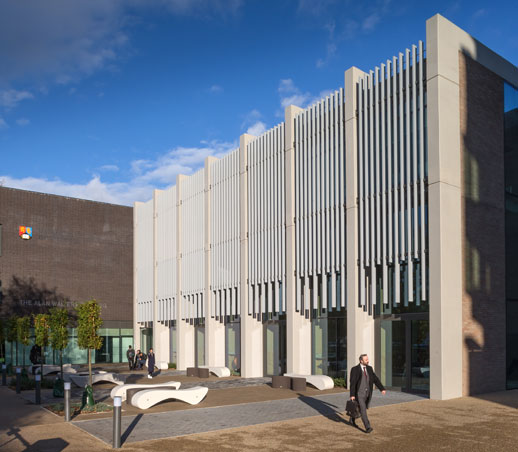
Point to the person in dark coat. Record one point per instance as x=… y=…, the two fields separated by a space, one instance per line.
x=130 y=354
x=150 y=363
x=361 y=386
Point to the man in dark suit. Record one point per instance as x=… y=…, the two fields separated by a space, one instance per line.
x=361 y=385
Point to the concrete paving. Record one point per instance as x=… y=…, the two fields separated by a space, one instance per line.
x=187 y=422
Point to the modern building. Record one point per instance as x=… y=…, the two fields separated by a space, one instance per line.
x=382 y=219
x=59 y=251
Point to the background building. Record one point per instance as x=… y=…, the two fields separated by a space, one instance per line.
x=78 y=250
x=380 y=220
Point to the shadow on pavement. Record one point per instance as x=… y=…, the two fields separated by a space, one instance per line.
x=508 y=398
x=326 y=409
x=130 y=428
x=50 y=444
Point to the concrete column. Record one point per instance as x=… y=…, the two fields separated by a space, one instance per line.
x=214 y=330
x=251 y=329
x=444 y=211
x=161 y=342
x=136 y=326
x=360 y=325
x=184 y=331
x=298 y=328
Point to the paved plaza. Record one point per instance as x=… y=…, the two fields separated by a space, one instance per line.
x=259 y=418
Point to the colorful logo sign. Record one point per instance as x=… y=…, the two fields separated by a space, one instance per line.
x=25 y=232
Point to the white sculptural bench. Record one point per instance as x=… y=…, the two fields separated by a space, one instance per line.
x=81 y=379
x=149 y=397
x=218 y=371
x=121 y=391
x=321 y=382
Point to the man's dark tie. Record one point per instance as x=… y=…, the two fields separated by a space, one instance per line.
x=365 y=372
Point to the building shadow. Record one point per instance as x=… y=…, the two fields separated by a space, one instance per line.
x=483 y=226
x=329 y=410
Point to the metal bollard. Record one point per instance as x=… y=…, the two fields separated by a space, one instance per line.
x=117 y=402
x=4 y=375
x=37 y=398
x=18 y=380
x=67 y=401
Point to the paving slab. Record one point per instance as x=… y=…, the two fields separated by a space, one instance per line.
x=187 y=422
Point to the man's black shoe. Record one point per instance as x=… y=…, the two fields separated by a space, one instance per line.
x=368 y=430
x=352 y=421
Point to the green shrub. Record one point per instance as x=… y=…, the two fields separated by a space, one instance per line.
x=28 y=383
x=340 y=382
x=171 y=366
x=59 y=408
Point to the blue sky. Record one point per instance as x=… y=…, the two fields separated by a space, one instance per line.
x=107 y=100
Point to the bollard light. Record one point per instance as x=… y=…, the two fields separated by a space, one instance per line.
x=66 y=386
x=37 y=398
x=117 y=403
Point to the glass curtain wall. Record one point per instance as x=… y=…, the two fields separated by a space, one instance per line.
x=511 y=230
x=328 y=334
x=115 y=344
x=233 y=346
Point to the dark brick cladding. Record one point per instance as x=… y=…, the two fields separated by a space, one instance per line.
x=483 y=220
x=79 y=250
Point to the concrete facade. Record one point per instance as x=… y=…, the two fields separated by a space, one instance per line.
x=328 y=239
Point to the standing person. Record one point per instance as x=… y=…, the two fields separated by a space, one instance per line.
x=361 y=385
x=130 y=354
x=150 y=363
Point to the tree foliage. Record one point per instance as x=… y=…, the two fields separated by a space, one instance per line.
x=23 y=330
x=88 y=323
x=12 y=329
x=58 y=321
x=41 y=329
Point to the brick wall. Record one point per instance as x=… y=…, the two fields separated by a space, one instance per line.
x=483 y=219
x=79 y=250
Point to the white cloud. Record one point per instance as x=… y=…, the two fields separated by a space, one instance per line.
x=146 y=175
x=370 y=22
x=109 y=168
x=23 y=122
x=3 y=124
x=292 y=95
x=216 y=89
x=62 y=41
x=11 y=98
x=257 y=128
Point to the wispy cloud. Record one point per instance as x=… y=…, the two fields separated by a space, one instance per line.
x=145 y=176
x=290 y=94
x=109 y=168
x=3 y=124
x=10 y=98
x=59 y=41
x=257 y=128
x=23 y=122
x=216 y=89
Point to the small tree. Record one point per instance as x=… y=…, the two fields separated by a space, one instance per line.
x=41 y=333
x=23 y=331
x=88 y=323
x=12 y=333
x=58 y=332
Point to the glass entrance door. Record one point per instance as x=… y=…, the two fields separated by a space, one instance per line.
x=274 y=347
x=405 y=353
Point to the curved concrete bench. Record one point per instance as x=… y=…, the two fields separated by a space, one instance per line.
x=218 y=371
x=162 y=365
x=81 y=379
x=122 y=390
x=148 y=398
x=318 y=381
x=50 y=368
